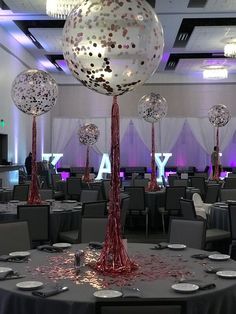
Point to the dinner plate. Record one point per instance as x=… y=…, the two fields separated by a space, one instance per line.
x=5 y=269
x=62 y=245
x=185 y=287
x=29 y=285
x=176 y=246
x=219 y=257
x=58 y=210
x=107 y=294
x=14 y=201
x=226 y=273
x=20 y=253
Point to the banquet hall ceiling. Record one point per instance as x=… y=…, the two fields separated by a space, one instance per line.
x=195 y=32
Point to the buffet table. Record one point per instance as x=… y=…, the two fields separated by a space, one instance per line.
x=157 y=271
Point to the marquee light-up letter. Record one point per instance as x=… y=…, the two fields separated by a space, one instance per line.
x=56 y=158
x=161 y=163
x=105 y=166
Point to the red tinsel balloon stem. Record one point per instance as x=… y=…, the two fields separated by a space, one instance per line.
x=114 y=259
x=86 y=172
x=217 y=170
x=34 y=197
x=153 y=186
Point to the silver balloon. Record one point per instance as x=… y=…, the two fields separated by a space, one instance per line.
x=152 y=107
x=219 y=115
x=88 y=134
x=34 y=92
x=112 y=46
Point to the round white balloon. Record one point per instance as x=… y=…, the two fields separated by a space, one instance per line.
x=219 y=115
x=112 y=46
x=152 y=107
x=34 y=92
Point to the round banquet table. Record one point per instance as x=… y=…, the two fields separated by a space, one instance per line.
x=158 y=270
x=64 y=216
x=219 y=217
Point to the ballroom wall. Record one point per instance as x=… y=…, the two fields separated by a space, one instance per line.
x=13 y=60
x=184 y=100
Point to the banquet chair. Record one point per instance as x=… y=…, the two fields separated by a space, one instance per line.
x=180 y=182
x=55 y=177
x=124 y=208
x=151 y=307
x=232 y=226
x=88 y=195
x=212 y=234
x=199 y=183
x=46 y=194
x=92 y=229
x=96 y=186
x=192 y=233
x=74 y=187
x=172 y=205
x=89 y=229
x=171 y=178
x=187 y=209
x=14 y=236
x=230 y=183
x=141 y=182
x=20 y=192
x=231 y=175
x=212 y=193
x=37 y=217
x=163 y=180
x=106 y=189
x=137 y=205
x=94 y=209
x=198 y=203
x=227 y=194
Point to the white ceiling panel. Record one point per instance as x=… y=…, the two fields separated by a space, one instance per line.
x=26 y=6
x=49 y=38
x=181 y=6
x=211 y=38
x=197 y=65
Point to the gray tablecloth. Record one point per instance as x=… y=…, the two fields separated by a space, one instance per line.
x=62 y=217
x=80 y=299
x=219 y=217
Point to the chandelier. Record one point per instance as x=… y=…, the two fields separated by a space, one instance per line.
x=215 y=72
x=230 y=50
x=60 y=8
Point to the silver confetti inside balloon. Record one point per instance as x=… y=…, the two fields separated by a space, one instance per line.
x=34 y=92
x=152 y=107
x=112 y=46
x=219 y=115
x=88 y=134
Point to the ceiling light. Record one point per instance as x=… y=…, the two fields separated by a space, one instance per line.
x=215 y=72
x=230 y=50
x=61 y=8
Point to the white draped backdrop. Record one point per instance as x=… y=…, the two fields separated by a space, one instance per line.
x=190 y=140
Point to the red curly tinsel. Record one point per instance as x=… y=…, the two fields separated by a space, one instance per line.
x=114 y=259
x=34 y=196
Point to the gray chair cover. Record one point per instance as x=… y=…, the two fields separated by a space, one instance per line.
x=14 y=236
x=37 y=217
x=189 y=232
